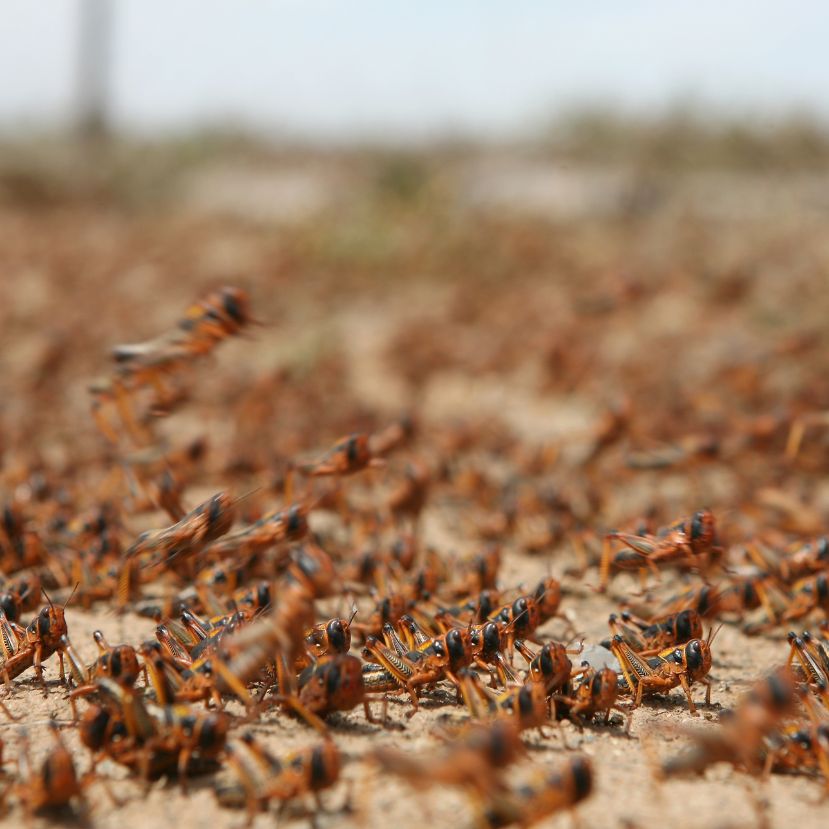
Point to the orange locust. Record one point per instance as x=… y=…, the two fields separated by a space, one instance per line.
x=682 y=665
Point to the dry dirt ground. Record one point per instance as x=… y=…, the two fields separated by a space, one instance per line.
x=471 y=287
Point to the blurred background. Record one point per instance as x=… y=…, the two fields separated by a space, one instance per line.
x=328 y=72
x=484 y=209
x=627 y=85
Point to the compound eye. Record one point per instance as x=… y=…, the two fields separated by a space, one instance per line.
x=336 y=636
x=525 y=700
x=694 y=654
x=233 y=308
x=352 y=449
x=455 y=643
x=294 y=517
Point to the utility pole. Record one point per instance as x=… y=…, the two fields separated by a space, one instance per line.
x=93 y=68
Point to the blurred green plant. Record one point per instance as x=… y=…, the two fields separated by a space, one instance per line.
x=688 y=137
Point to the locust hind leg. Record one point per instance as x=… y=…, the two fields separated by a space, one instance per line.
x=39 y=669
x=626 y=713
x=604 y=567
x=371 y=718
x=707 y=683
x=413 y=690
x=183 y=765
x=687 y=688
x=795 y=438
x=305 y=713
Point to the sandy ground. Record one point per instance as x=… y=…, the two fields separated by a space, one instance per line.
x=625 y=795
x=340 y=291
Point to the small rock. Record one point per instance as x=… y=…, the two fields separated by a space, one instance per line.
x=597 y=657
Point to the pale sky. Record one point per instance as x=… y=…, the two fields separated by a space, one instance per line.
x=345 y=69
